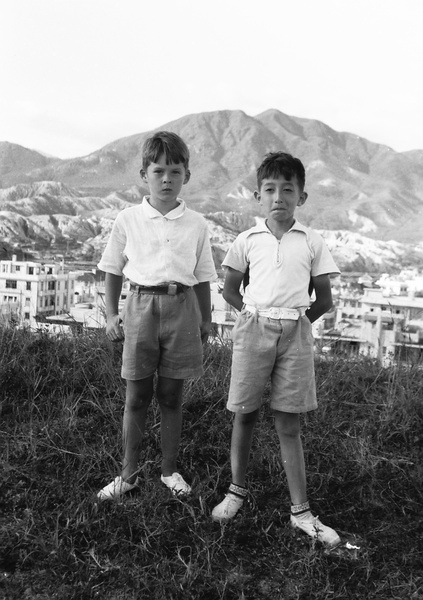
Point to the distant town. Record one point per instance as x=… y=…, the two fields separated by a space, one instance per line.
x=379 y=316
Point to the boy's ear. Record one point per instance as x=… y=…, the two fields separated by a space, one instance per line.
x=257 y=196
x=187 y=176
x=303 y=198
x=143 y=175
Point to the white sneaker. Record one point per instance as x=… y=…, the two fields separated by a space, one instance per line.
x=176 y=484
x=315 y=529
x=116 y=489
x=227 y=509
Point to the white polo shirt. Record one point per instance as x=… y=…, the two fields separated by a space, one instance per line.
x=149 y=248
x=280 y=270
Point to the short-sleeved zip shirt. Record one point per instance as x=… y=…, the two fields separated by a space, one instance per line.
x=149 y=248
x=280 y=270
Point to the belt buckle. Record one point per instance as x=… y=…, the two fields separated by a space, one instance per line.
x=172 y=289
x=274 y=313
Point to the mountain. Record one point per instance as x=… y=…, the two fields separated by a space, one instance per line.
x=16 y=161
x=47 y=219
x=354 y=185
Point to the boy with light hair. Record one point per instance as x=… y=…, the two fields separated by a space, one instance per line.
x=163 y=249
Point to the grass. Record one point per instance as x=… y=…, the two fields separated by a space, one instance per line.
x=61 y=408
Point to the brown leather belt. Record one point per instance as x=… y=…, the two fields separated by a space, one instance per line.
x=172 y=289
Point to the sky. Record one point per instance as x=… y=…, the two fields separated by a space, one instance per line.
x=78 y=74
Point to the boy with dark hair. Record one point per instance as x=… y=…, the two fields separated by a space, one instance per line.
x=272 y=337
x=163 y=249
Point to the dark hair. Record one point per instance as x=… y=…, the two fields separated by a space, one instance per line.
x=164 y=142
x=281 y=163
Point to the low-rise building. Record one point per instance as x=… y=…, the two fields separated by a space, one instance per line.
x=30 y=291
x=378 y=323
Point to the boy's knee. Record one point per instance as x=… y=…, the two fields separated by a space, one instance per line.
x=169 y=393
x=170 y=400
x=138 y=394
x=137 y=402
x=287 y=425
x=247 y=418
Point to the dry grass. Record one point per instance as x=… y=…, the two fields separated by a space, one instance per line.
x=61 y=408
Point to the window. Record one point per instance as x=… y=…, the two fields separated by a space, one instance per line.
x=28 y=285
x=11 y=283
x=51 y=285
x=27 y=316
x=30 y=270
x=4 y=268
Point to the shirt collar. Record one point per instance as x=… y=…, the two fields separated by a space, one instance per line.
x=261 y=227
x=153 y=213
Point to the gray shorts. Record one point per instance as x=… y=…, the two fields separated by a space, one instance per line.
x=162 y=333
x=279 y=350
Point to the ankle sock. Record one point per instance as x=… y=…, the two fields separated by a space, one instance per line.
x=238 y=490
x=301 y=510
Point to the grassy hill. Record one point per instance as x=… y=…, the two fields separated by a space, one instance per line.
x=61 y=407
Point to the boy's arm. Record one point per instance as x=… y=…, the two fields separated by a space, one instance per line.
x=114 y=329
x=202 y=291
x=231 y=293
x=323 y=301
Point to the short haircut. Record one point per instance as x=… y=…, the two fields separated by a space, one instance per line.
x=276 y=164
x=168 y=144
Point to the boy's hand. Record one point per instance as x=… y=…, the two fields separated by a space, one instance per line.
x=114 y=329
x=205 y=327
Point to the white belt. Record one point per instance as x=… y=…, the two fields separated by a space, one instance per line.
x=293 y=314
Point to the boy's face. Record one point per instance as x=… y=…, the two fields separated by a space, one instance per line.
x=165 y=182
x=279 y=198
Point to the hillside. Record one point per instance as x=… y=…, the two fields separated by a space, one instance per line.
x=61 y=400
x=49 y=219
x=354 y=185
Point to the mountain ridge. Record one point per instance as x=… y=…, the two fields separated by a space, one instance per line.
x=354 y=184
x=79 y=231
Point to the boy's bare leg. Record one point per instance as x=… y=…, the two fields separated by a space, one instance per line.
x=242 y=435
x=169 y=396
x=288 y=429
x=138 y=398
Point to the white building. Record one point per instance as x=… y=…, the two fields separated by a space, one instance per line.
x=379 y=323
x=31 y=291
x=391 y=323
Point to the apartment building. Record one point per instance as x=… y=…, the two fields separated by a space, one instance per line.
x=379 y=323
x=31 y=291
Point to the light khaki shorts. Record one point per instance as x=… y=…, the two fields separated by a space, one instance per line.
x=279 y=350
x=162 y=333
